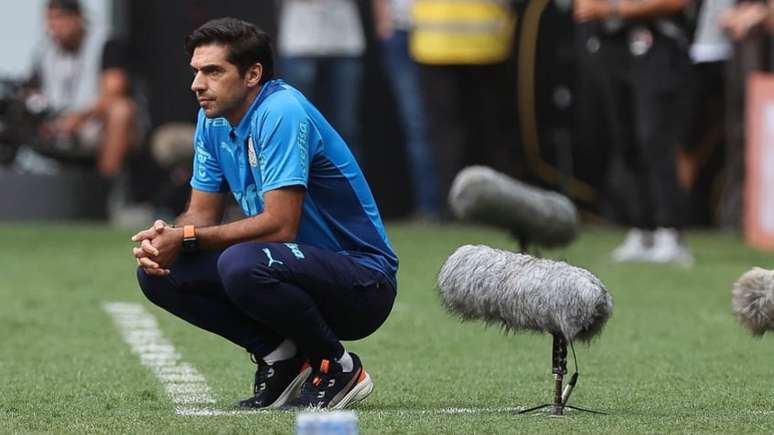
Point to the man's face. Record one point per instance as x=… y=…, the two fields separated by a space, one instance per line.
x=64 y=27
x=218 y=86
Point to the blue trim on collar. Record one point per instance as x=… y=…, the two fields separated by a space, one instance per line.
x=242 y=130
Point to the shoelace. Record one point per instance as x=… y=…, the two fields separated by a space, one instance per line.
x=262 y=375
x=315 y=390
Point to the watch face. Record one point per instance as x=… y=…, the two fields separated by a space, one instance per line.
x=190 y=245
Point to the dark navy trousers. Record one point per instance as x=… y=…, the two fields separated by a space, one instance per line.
x=257 y=294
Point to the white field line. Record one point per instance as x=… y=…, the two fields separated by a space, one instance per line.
x=210 y=412
x=183 y=383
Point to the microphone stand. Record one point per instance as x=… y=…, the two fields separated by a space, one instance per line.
x=558 y=359
x=559 y=369
x=525 y=244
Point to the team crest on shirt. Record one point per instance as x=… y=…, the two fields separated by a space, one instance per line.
x=251 y=156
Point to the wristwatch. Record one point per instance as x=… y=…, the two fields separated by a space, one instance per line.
x=190 y=244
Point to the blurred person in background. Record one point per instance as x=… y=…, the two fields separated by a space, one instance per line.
x=701 y=153
x=749 y=24
x=639 y=52
x=463 y=48
x=86 y=85
x=320 y=50
x=392 y=20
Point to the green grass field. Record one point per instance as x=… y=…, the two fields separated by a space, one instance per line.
x=671 y=359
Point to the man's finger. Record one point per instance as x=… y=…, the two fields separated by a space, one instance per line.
x=148 y=263
x=148 y=248
x=159 y=225
x=155 y=271
x=144 y=234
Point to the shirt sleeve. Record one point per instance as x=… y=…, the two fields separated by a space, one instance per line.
x=207 y=173
x=286 y=134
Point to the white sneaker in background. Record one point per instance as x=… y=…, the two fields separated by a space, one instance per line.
x=633 y=248
x=667 y=248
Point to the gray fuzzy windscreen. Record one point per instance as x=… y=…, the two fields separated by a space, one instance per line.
x=481 y=194
x=752 y=299
x=521 y=292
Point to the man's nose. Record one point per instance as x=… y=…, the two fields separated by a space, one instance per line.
x=197 y=85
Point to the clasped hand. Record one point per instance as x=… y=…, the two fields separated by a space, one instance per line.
x=157 y=248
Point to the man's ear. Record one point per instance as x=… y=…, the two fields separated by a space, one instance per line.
x=254 y=75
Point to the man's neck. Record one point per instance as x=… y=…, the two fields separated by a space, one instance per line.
x=235 y=118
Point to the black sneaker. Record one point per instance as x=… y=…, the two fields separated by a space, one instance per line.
x=329 y=387
x=276 y=383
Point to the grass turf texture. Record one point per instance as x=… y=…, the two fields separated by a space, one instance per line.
x=672 y=358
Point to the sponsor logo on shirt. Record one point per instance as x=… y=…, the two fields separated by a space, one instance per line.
x=201 y=159
x=251 y=156
x=303 y=143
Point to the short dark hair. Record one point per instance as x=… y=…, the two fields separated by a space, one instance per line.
x=247 y=44
x=70 y=6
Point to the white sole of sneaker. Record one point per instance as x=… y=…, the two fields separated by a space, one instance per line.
x=360 y=391
x=291 y=391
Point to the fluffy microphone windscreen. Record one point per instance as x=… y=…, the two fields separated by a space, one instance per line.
x=521 y=292
x=481 y=194
x=752 y=299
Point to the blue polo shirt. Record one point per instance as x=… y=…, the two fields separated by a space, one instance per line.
x=282 y=141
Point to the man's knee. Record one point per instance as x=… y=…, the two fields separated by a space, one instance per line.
x=241 y=271
x=154 y=287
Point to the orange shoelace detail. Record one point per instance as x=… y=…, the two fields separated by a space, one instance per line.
x=324 y=366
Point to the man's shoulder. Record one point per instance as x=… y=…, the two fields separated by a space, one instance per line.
x=281 y=101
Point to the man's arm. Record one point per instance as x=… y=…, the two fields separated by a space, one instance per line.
x=590 y=10
x=160 y=245
x=747 y=17
x=277 y=223
x=649 y=8
x=204 y=209
x=382 y=18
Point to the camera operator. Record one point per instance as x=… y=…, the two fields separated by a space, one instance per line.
x=85 y=81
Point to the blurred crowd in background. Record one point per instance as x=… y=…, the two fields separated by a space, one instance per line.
x=634 y=109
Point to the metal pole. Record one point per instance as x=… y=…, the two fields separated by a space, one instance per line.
x=558 y=407
x=559 y=369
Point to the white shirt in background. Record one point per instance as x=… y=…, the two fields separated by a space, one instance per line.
x=710 y=43
x=401 y=14
x=320 y=28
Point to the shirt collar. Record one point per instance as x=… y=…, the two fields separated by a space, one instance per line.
x=242 y=130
